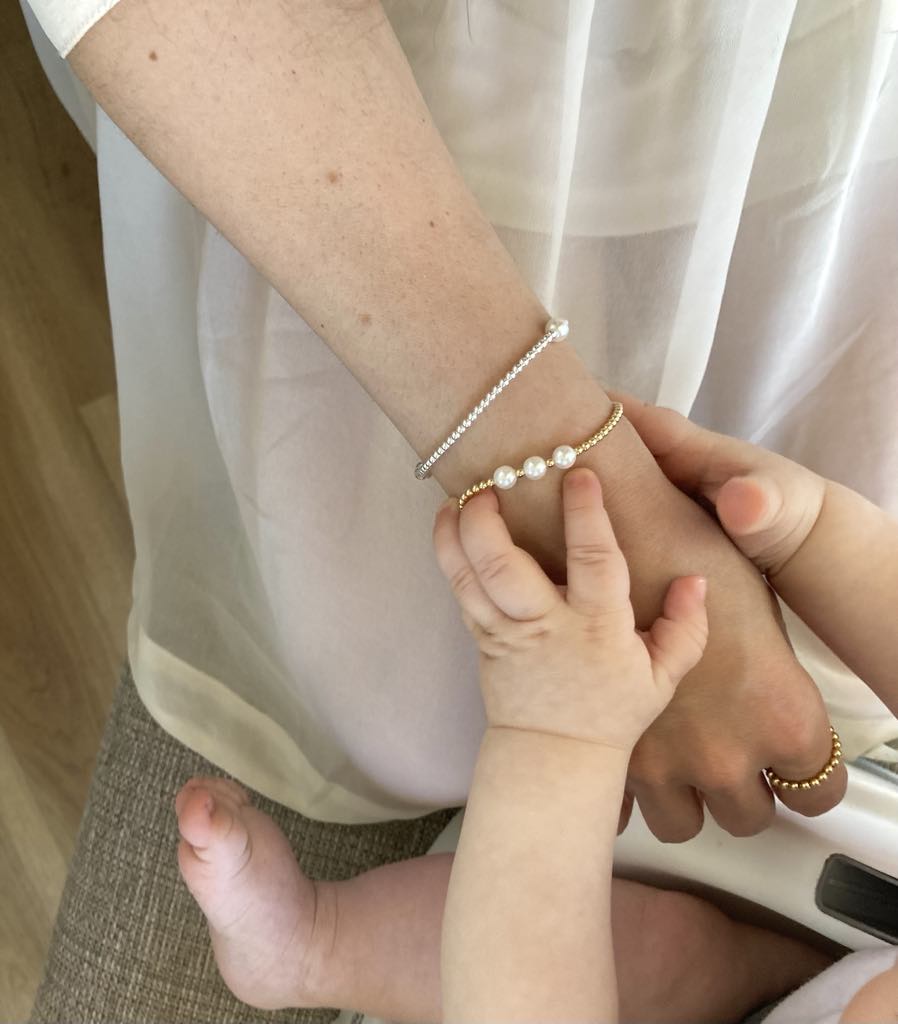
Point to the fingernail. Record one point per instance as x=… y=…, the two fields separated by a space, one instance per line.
x=702 y=586
x=581 y=476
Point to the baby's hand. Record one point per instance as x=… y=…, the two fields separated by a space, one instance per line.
x=568 y=662
x=767 y=504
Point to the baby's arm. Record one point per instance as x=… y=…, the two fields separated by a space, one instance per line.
x=569 y=687
x=527 y=925
x=843 y=582
x=830 y=554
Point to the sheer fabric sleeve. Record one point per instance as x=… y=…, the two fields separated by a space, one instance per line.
x=66 y=21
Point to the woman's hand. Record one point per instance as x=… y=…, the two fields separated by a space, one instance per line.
x=748 y=704
x=828 y=552
x=569 y=663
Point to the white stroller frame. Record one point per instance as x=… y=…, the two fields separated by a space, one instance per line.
x=794 y=870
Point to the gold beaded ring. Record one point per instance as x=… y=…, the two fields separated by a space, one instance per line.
x=778 y=782
x=535 y=467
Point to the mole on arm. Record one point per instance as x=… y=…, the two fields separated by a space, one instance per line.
x=153 y=55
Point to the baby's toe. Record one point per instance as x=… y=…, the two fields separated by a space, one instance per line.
x=213 y=826
x=226 y=788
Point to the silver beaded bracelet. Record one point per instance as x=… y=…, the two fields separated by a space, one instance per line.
x=555 y=330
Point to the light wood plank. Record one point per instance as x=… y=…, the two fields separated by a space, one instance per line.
x=66 y=551
x=100 y=417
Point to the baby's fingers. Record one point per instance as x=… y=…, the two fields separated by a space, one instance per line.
x=678 y=637
x=455 y=566
x=696 y=460
x=597 y=576
x=507 y=575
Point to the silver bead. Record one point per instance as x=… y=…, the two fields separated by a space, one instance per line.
x=561 y=328
x=534 y=468
x=505 y=477
x=564 y=456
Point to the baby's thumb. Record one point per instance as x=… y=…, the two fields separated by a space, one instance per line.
x=678 y=636
x=752 y=510
x=749 y=505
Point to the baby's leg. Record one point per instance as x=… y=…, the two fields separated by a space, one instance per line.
x=373 y=943
x=678 y=958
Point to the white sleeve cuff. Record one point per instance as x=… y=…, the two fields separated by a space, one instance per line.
x=66 y=21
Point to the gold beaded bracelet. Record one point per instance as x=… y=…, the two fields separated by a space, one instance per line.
x=534 y=468
x=778 y=782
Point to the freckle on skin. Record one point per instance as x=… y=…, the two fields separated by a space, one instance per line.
x=432 y=224
x=365 y=318
x=334 y=177
x=153 y=55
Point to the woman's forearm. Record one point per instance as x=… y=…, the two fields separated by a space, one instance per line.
x=534 y=861
x=299 y=131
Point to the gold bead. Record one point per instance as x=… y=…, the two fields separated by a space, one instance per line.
x=606 y=428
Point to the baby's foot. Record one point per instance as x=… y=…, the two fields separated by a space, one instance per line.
x=264 y=915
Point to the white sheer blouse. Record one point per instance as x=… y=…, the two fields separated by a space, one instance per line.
x=708 y=191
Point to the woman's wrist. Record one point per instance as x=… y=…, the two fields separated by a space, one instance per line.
x=556 y=402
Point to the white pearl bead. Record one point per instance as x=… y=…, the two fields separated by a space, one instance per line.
x=535 y=468
x=505 y=477
x=561 y=327
x=564 y=456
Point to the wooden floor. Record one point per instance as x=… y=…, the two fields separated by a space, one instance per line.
x=65 y=542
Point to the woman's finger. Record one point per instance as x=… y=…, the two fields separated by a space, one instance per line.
x=802 y=758
x=507 y=575
x=626 y=810
x=454 y=564
x=744 y=807
x=674 y=813
x=597 y=576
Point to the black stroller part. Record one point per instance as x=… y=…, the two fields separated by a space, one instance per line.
x=859 y=895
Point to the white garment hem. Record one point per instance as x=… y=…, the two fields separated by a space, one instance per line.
x=204 y=715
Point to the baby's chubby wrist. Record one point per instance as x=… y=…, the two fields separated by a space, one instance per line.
x=842 y=530
x=537 y=775
x=803 y=511
x=549 y=751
